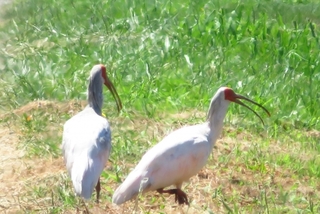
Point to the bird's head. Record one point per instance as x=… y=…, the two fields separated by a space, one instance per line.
x=227 y=94
x=107 y=82
x=231 y=96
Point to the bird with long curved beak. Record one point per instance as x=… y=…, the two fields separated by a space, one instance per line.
x=86 y=141
x=181 y=154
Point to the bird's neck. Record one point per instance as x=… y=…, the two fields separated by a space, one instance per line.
x=95 y=97
x=96 y=107
x=216 y=117
x=216 y=125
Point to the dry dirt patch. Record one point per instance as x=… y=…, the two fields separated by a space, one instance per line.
x=15 y=169
x=11 y=165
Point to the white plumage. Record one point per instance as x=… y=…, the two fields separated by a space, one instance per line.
x=180 y=155
x=86 y=141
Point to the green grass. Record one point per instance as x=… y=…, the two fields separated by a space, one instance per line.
x=166 y=57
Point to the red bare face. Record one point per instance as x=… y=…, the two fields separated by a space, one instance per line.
x=104 y=73
x=230 y=95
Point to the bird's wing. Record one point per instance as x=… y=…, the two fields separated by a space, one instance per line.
x=175 y=159
x=86 y=146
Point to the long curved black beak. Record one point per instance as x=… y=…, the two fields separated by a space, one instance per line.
x=114 y=93
x=236 y=100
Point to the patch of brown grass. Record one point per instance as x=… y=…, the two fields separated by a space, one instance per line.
x=70 y=107
x=17 y=170
x=222 y=184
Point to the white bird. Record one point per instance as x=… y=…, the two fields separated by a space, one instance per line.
x=181 y=154
x=86 y=141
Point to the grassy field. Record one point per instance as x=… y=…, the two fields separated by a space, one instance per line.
x=167 y=59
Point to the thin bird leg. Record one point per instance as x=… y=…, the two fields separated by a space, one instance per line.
x=98 y=188
x=180 y=196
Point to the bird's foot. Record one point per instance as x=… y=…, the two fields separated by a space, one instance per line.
x=180 y=196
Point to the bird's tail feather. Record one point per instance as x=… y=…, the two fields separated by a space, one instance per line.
x=83 y=177
x=130 y=188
